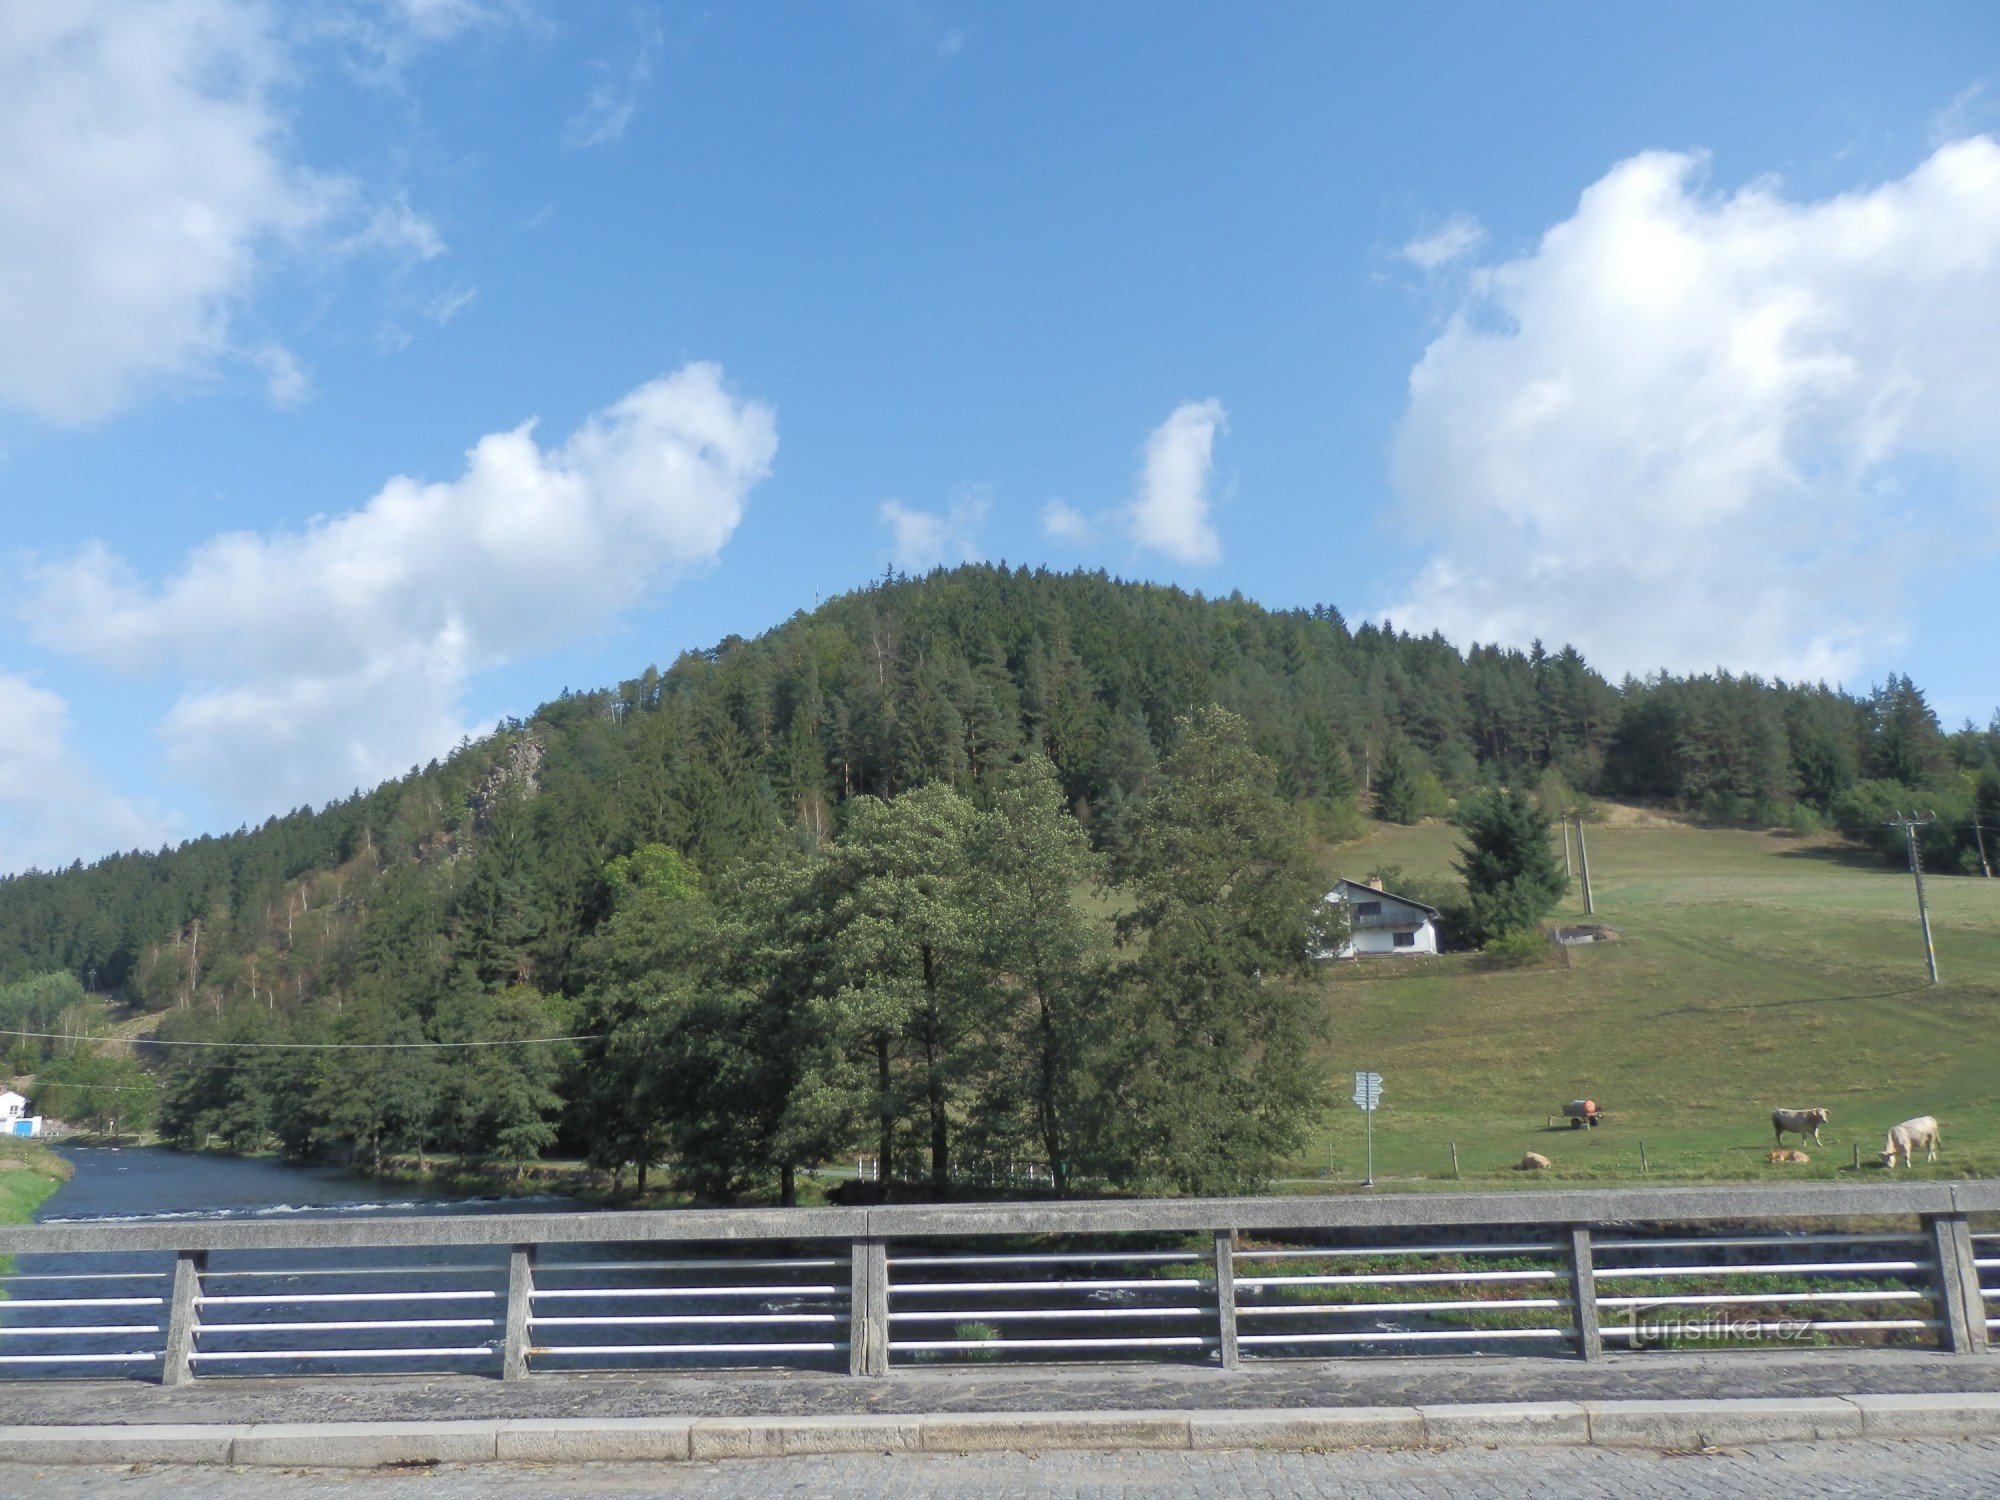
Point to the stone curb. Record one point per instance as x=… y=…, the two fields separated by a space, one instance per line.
x=1671 y=1425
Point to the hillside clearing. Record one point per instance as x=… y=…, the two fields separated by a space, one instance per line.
x=1755 y=970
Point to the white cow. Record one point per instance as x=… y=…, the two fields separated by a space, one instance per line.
x=1800 y=1122
x=1906 y=1137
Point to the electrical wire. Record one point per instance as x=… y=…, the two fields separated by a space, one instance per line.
x=153 y=1041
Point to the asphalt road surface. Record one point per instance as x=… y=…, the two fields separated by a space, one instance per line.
x=1794 y=1471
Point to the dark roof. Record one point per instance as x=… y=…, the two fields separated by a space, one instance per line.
x=1356 y=885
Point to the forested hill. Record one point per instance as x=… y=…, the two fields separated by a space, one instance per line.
x=496 y=856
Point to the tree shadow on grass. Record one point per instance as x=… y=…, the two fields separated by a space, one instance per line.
x=1793 y=1003
x=1848 y=856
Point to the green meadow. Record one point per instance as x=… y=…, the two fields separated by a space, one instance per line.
x=1752 y=969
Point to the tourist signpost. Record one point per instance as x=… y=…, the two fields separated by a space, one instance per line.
x=1367 y=1095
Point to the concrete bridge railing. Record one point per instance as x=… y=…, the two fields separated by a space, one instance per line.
x=873 y=1290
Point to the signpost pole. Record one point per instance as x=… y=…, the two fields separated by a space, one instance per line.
x=1367 y=1094
x=1369 y=1180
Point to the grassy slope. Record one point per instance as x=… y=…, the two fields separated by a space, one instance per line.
x=1756 y=970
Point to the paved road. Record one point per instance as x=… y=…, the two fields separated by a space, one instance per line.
x=1793 y=1471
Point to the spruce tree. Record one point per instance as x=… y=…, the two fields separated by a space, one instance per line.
x=1512 y=879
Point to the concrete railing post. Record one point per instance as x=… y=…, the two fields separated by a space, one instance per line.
x=1225 y=1296
x=1961 y=1304
x=183 y=1317
x=520 y=1310
x=1583 y=1292
x=868 y=1309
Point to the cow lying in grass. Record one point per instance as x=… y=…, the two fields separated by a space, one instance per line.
x=1800 y=1122
x=1906 y=1137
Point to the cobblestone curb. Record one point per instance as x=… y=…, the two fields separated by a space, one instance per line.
x=1668 y=1425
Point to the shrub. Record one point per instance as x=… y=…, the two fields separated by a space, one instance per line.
x=1524 y=945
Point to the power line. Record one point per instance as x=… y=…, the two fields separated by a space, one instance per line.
x=153 y=1041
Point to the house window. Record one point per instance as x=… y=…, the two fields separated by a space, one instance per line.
x=1406 y=939
x=1368 y=908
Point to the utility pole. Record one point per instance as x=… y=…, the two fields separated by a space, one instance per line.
x=1979 y=834
x=1583 y=858
x=1569 y=873
x=1910 y=825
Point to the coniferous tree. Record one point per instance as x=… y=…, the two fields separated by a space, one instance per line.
x=1512 y=879
x=1208 y=1042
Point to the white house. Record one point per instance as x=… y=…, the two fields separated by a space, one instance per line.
x=14 y=1116
x=1381 y=922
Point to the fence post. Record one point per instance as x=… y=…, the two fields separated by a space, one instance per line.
x=520 y=1307
x=1225 y=1296
x=1961 y=1305
x=183 y=1317
x=868 y=1308
x=1583 y=1289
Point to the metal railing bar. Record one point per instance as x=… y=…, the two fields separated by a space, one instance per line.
x=77 y=1329
x=1723 y=1299
x=901 y=1346
x=482 y=1351
x=1047 y=1314
x=84 y=1302
x=1162 y=1284
x=818 y=1263
x=1541 y=1248
x=677 y=1320
x=1299 y=1309
x=489 y=1269
x=1399 y=1278
x=1794 y=1268
x=1075 y=1257
x=208 y=1328
x=322 y=1297
x=540 y=1350
x=1841 y=1325
x=78 y=1359
x=13 y=1276
x=542 y=1292
x=1419 y=1337
x=1757 y=1241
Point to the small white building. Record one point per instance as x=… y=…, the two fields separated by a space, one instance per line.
x=1381 y=922
x=14 y=1116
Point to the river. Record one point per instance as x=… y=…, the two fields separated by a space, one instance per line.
x=144 y=1183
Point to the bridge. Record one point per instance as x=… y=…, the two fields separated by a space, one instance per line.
x=1289 y=1312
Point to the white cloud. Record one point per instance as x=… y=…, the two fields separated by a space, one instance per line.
x=1455 y=239
x=399 y=231
x=923 y=539
x=320 y=660
x=142 y=171
x=614 y=98
x=286 y=382
x=1171 y=512
x=149 y=180
x=1692 y=430
x=1066 y=523
x=50 y=810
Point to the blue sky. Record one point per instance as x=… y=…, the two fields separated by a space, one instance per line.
x=1673 y=331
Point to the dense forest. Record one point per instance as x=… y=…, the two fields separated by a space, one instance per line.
x=569 y=873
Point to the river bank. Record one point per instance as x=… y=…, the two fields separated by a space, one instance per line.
x=29 y=1173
